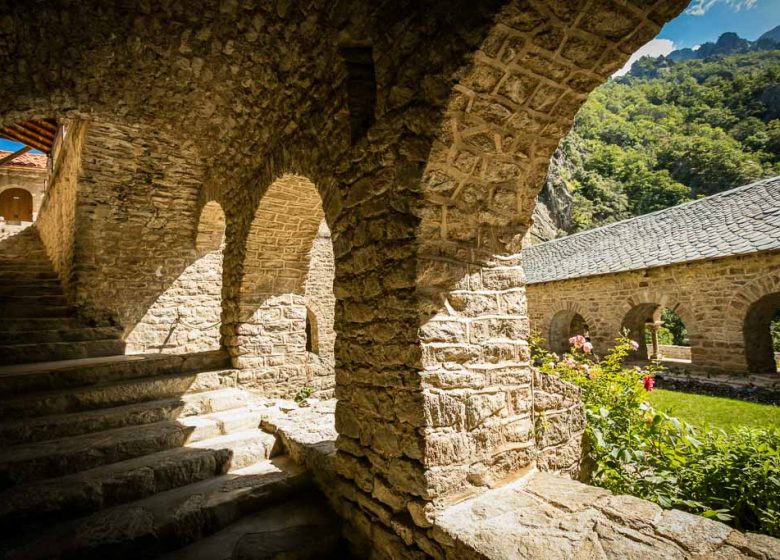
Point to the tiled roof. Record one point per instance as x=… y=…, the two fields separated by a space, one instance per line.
x=740 y=221
x=26 y=160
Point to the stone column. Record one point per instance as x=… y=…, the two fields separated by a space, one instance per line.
x=654 y=326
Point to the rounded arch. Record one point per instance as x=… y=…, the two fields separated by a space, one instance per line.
x=759 y=351
x=16 y=205
x=279 y=241
x=564 y=324
x=741 y=302
x=210 y=235
x=285 y=331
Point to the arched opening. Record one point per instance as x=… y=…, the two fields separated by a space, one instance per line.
x=564 y=325
x=186 y=316
x=659 y=333
x=636 y=323
x=285 y=337
x=762 y=334
x=672 y=340
x=16 y=205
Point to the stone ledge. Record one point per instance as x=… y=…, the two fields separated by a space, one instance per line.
x=546 y=516
x=755 y=388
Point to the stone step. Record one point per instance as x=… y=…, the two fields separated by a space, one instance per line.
x=50 y=351
x=37 y=287
x=77 y=334
x=44 y=428
x=36 y=324
x=51 y=376
x=60 y=457
x=22 y=275
x=168 y=520
x=116 y=393
x=133 y=479
x=10 y=280
x=300 y=529
x=35 y=311
x=35 y=300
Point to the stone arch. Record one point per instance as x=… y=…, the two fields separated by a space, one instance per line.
x=740 y=303
x=565 y=323
x=645 y=308
x=759 y=352
x=16 y=205
x=288 y=264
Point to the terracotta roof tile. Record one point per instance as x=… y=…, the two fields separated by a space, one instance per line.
x=26 y=160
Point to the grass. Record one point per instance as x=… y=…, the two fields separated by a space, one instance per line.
x=715 y=412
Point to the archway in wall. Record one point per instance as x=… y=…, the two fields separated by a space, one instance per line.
x=635 y=324
x=285 y=336
x=16 y=205
x=186 y=317
x=564 y=325
x=762 y=334
x=671 y=337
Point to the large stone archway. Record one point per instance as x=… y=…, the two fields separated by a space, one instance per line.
x=427 y=200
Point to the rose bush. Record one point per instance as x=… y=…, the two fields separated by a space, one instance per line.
x=633 y=449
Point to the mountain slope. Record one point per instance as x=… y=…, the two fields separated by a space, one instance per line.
x=668 y=132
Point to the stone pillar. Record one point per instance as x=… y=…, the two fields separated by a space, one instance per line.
x=654 y=326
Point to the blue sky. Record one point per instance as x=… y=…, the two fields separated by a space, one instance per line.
x=706 y=20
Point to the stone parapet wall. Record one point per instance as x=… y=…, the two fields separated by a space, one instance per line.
x=711 y=297
x=673 y=352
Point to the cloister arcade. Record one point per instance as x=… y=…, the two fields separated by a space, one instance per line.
x=374 y=167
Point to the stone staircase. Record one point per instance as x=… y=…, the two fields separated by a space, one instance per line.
x=36 y=323
x=139 y=456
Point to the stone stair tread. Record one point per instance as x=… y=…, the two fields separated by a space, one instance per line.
x=170 y=519
x=75 y=334
x=40 y=323
x=44 y=428
x=125 y=481
x=40 y=351
x=303 y=529
x=87 y=372
x=36 y=461
x=115 y=393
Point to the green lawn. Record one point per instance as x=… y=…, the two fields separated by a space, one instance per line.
x=715 y=412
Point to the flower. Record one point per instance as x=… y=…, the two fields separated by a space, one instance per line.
x=649 y=383
x=634 y=345
x=578 y=341
x=587 y=348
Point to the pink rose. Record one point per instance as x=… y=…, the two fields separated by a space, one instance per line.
x=587 y=347
x=634 y=345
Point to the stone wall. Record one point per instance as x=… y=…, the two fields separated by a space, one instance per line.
x=711 y=297
x=186 y=317
x=57 y=221
x=673 y=352
x=425 y=202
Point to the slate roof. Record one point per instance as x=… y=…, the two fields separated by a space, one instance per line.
x=740 y=221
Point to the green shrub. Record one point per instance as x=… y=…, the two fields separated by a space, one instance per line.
x=733 y=477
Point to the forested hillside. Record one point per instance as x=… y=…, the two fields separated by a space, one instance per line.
x=668 y=132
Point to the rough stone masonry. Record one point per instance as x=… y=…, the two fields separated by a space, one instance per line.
x=420 y=132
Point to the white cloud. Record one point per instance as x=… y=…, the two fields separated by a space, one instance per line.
x=655 y=48
x=701 y=7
